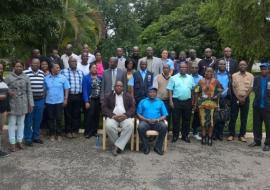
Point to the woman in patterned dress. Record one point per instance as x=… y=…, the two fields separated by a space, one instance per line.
x=207 y=91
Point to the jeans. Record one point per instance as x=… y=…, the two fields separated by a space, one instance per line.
x=55 y=112
x=33 y=120
x=160 y=127
x=13 y=122
x=73 y=113
x=182 y=109
x=243 y=116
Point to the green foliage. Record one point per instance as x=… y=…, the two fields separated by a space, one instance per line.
x=241 y=25
x=182 y=29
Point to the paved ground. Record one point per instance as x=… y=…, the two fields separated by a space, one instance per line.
x=76 y=164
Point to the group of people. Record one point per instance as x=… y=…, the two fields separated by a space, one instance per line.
x=161 y=93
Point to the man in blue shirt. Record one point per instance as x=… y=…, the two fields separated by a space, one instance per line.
x=261 y=107
x=152 y=112
x=223 y=76
x=180 y=87
x=196 y=122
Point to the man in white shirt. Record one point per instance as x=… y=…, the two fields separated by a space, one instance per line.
x=68 y=53
x=84 y=65
x=119 y=108
x=91 y=57
x=121 y=59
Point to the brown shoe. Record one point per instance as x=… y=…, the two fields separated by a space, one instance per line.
x=74 y=135
x=20 y=146
x=12 y=148
x=69 y=135
x=230 y=138
x=242 y=139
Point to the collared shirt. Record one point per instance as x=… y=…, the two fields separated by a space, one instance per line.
x=91 y=58
x=152 y=109
x=75 y=80
x=168 y=62
x=121 y=63
x=131 y=80
x=119 y=108
x=65 y=59
x=55 y=86
x=196 y=78
x=37 y=82
x=263 y=89
x=161 y=82
x=181 y=86
x=83 y=68
x=223 y=78
x=242 y=83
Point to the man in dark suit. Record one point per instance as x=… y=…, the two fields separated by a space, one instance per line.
x=231 y=64
x=110 y=76
x=261 y=107
x=119 y=109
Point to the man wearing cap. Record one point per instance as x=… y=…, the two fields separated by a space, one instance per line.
x=261 y=107
x=152 y=112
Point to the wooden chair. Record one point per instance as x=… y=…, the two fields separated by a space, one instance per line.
x=104 y=135
x=151 y=133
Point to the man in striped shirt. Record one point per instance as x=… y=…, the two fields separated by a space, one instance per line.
x=33 y=119
x=73 y=108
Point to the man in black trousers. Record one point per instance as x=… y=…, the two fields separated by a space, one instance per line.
x=261 y=107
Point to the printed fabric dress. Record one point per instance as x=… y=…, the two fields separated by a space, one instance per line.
x=207 y=90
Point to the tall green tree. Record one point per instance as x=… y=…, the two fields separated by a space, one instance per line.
x=243 y=25
x=182 y=29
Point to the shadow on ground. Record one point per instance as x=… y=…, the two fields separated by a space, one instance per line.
x=76 y=164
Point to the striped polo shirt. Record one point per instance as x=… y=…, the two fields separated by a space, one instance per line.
x=37 y=82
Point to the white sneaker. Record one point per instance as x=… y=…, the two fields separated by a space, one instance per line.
x=197 y=137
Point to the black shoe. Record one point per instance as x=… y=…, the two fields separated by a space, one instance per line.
x=119 y=150
x=203 y=140
x=28 y=143
x=146 y=150
x=174 y=139
x=159 y=152
x=220 y=138
x=210 y=141
x=186 y=139
x=88 y=136
x=266 y=148
x=3 y=154
x=114 y=151
x=38 y=141
x=254 y=144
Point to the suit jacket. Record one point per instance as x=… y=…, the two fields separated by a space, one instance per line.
x=156 y=67
x=109 y=105
x=233 y=65
x=106 y=85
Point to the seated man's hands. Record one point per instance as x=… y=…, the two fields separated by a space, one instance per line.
x=119 y=118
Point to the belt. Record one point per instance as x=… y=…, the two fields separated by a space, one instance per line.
x=75 y=94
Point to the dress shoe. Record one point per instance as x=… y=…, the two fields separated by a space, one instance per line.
x=146 y=150
x=38 y=141
x=114 y=151
x=174 y=139
x=242 y=139
x=3 y=154
x=88 y=136
x=28 y=143
x=219 y=138
x=254 y=144
x=20 y=146
x=186 y=139
x=158 y=151
x=12 y=148
x=230 y=138
x=266 y=148
x=203 y=140
x=210 y=141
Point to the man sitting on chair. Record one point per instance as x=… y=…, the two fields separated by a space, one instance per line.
x=152 y=113
x=119 y=108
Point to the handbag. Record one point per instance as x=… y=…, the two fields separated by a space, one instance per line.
x=222 y=114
